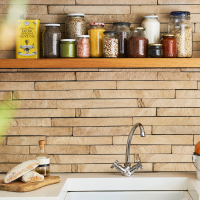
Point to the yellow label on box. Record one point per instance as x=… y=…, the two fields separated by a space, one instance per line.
x=28 y=39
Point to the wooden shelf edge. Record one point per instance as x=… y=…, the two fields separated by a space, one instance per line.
x=101 y=63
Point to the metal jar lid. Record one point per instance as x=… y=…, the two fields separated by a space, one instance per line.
x=155 y=45
x=151 y=16
x=52 y=25
x=86 y=36
x=138 y=28
x=76 y=14
x=67 y=40
x=169 y=35
x=100 y=24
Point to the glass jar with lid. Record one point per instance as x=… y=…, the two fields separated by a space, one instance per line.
x=152 y=26
x=68 y=48
x=75 y=25
x=83 y=46
x=181 y=27
x=51 y=41
x=110 y=44
x=155 y=51
x=123 y=30
x=169 y=46
x=96 y=39
x=137 y=43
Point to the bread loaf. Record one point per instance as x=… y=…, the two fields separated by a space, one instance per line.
x=20 y=170
x=32 y=177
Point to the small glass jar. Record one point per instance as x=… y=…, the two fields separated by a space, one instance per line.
x=83 y=46
x=75 y=25
x=181 y=27
x=110 y=44
x=51 y=41
x=169 y=46
x=68 y=48
x=155 y=51
x=96 y=39
x=123 y=31
x=137 y=43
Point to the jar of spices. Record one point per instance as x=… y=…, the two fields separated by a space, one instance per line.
x=110 y=44
x=83 y=46
x=123 y=30
x=96 y=39
x=169 y=46
x=181 y=27
x=75 y=25
x=68 y=48
x=155 y=51
x=51 y=41
x=137 y=43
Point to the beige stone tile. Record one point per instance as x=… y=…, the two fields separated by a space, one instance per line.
x=178 y=2
x=196 y=46
x=198 y=85
x=6 y=167
x=7 y=45
x=8 y=70
x=187 y=94
x=196 y=139
x=3 y=140
x=7 y=54
x=183 y=150
x=39 y=131
x=89 y=9
x=97 y=103
x=178 y=76
x=63 y=2
x=79 y=140
x=61 y=149
x=141 y=70
x=116 y=76
x=7 y=158
x=121 y=149
x=196 y=36
x=5 y=95
x=30 y=140
x=75 y=85
x=60 y=168
x=100 y=131
x=91 y=121
x=54 y=70
x=116 y=112
x=115 y=2
x=16 y=86
x=155 y=139
x=191 y=69
x=40 y=76
x=178 y=112
x=156 y=85
x=197 y=29
x=14 y=149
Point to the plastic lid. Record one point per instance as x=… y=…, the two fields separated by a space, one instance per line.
x=52 y=24
x=67 y=40
x=180 y=13
x=122 y=23
x=114 y=32
x=76 y=14
x=83 y=36
x=151 y=16
x=41 y=142
x=97 y=24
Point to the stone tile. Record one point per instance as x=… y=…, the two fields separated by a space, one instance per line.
x=14 y=149
x=115 y=2
x=16 y=86
x=178 y=76
x=183 y=150
x=178 y=112
x=197 y=30
x=196 y=139
x=41 y=2
x=30 y=140
x=7 y=54
x=196 y=46
x=6 y=167
x=8 y=70
x=191 y=69
x=187 y=94
x=55 y=70
x=178 y=2
x=7 y=45
x=196 y=36
x=60 y=168
x=141 y=70
x=3 y=140
x=5 y=95
x=7 y=158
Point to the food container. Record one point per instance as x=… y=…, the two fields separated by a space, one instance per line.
x=110 y=44
x=152 y=26
x=96 y=39
x=123 y=31
x=68 y=48
x=137 y=43
x=181 y=27
x=83 y=46
x=51 y=41
x=155 y=51
x=169 y=46
x=75 y=25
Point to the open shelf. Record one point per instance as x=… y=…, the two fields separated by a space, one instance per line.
x=101 y=63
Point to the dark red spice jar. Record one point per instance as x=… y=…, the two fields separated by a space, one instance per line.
x=169 y=46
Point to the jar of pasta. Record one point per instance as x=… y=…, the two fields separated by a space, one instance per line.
x=96 y=39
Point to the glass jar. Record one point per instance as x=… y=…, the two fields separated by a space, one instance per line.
x=181 y=27
x=96 y=39
x=155 y=51
x=123 y=30
x=137 y=43
x=75 y=25
x=152 y=26
x=83 y=46
x=110 y=44
x=68 y=48
x=51 y=41
x=169 y=46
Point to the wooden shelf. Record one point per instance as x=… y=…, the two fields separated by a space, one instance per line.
x=101 y=63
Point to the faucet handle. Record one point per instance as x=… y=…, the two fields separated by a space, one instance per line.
x=140 y=164
x=113 y=165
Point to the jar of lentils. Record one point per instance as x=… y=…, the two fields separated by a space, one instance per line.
x=110 y=44
x=137 y=43
x=75 y=25
x=83 y=46
x=51 y=41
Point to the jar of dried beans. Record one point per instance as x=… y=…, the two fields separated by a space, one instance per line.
x=110 y=44
x=123 y=31
x=83 y=46
x=68 y=48
x=169 y=46
x=96 y=39
x=75 y=25
x=137 y=43
x=181 y=27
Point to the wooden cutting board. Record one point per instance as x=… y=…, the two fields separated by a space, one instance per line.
x=18 y=186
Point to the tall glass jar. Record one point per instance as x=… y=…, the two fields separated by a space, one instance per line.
x=123 y=30
x=75 y=25
x=138 y=43
x=68 y=48
x=83 y=46
x=51 y=41
x=110 y=44
x=181 y=27
x=96 y=39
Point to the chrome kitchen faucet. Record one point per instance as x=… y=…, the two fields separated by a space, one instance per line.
x=127 y=170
